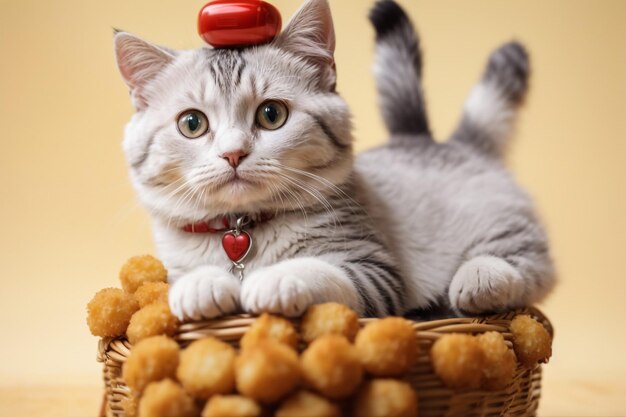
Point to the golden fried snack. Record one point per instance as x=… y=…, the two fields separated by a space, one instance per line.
x=207 y=367
x=270 y=327
x=231 y=406
x=130 y=405
x=307 y=404
x=150 y=360
x=386 y=398
x=109 y=312
x=166 y=399
x=331 y=366
x=329 y=318
x=140 y=269
x=531 y=341
x=458 y=360
x=154 y=319
x=267 y=371
x=500 y=364
x=387 y=347
x=152 y=292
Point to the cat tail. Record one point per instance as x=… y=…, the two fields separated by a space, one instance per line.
x=398 y=70
x=491 y=108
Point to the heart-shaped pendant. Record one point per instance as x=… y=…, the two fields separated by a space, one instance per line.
x=236 y=245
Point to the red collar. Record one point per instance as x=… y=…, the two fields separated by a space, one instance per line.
x=222 y=224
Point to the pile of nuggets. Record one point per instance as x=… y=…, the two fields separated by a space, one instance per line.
x=138 y=310
x=484 y=361
x=342 y=370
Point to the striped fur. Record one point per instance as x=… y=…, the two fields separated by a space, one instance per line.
x=398 y=70
x=321 y=244
x=466 y=236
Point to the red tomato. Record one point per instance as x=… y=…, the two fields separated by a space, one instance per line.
x=230 y=23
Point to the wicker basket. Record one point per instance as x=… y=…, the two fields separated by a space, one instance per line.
x=520 y=398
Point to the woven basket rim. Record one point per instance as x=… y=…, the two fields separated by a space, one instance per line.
x=119 y=348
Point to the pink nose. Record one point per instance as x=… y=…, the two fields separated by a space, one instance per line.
x=234 y=157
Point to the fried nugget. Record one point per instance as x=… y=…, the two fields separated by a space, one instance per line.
x=130 y=405
x=154 y=319
x=331 y=365
x=458 y=360
x=329 y=318
x=270 y=327
x=109 y=312
x=231 y=406
x=386 y=398
x=140 y=269
x=166 y=399
x=307 y=404
x=387 y=347
x=152 y=292
x=207 y=367
x=151 y=359
x=531 y=341
x=500 y=362
x=267 y=371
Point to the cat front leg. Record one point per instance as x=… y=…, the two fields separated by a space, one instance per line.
x=511 y=267
x=205 y=292
x=291 y=286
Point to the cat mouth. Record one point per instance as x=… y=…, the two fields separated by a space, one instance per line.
x=234 y=181
x=237 y=180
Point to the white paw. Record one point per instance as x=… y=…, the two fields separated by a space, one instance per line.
x=204 y=293
x=277 y=289
x=486 y=283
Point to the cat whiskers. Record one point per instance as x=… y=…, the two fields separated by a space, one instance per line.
x=294 y=198
x=177 y=185
x=283 y=188
x=355 y=207
x=319 y=197
x=186 y=197
x=180 y=184
x=332 y=187
x=275 y=196
x=151 y=180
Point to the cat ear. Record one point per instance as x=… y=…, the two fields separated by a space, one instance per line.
x=310 y=34
x=139 y=62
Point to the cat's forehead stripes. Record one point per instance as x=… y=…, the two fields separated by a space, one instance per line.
x=226 y=67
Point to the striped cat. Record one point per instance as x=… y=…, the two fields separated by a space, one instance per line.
x=235 y=145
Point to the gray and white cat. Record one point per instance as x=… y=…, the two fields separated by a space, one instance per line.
x=260 y=133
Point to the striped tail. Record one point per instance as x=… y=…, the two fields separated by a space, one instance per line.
x=398 y=70
x=491 y=108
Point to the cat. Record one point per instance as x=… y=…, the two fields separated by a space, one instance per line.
x=258 y=140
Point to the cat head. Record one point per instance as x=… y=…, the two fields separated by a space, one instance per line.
x=222 y=131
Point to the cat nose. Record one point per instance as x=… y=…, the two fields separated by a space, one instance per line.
x=234 y=157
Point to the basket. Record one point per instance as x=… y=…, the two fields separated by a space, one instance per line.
x=519 y=398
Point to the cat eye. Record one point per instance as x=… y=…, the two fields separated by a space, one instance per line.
x=272 y=115
x=192 y=124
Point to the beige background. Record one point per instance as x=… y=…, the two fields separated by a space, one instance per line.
x=68 y=217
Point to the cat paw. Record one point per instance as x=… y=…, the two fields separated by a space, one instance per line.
x=204 y=293
x=276 y=289
x=291 y=286
x=485 y=284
